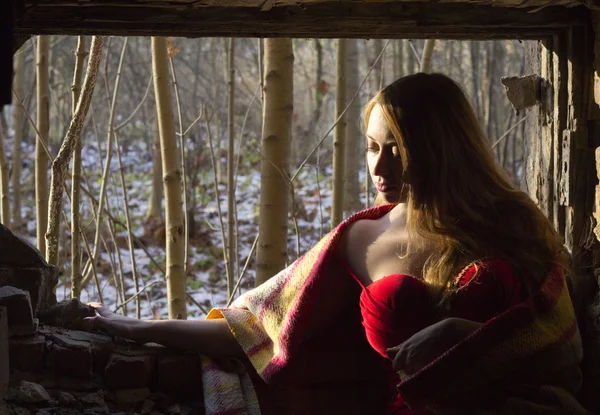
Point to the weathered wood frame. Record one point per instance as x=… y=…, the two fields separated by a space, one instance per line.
x=563 y=136
x=305 y=18
x=563 y=130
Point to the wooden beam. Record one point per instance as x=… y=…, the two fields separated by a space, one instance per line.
x=329 y=19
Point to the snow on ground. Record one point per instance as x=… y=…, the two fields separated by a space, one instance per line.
x=206 y=282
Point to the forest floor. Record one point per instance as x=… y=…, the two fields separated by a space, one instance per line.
x=206 y=275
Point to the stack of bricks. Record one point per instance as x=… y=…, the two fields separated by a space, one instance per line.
x=51 y=366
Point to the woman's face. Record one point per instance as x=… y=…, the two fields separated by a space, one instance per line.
x=383 y=158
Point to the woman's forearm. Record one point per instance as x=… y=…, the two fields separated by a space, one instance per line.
x=210 y=337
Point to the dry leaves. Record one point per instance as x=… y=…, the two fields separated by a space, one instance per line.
x=172 y=48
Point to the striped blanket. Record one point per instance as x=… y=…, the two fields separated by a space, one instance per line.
x=302 y=334
x=524 y=361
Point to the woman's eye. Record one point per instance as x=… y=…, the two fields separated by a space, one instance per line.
x=372 y=149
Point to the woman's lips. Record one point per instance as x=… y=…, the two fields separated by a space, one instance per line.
x=385 y=187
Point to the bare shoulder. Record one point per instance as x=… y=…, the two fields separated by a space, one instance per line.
x=357 y=238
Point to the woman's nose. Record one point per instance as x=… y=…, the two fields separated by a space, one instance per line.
x=382 y=164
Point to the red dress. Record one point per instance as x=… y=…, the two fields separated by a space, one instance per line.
x=398 y=306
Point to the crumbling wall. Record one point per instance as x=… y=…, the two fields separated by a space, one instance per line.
x=48 y=366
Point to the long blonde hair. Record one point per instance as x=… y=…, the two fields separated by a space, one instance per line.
x=457 y=195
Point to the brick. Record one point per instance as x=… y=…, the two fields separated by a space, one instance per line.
x=68 y=314
x=20 y=316
x=27 y=353
x=30 y=392
x=131 y=396
x=129 y=372
x=180 y=375
x=23 y=266
x=29 y=279
x=101 y=344
x=71 y=362
x=3 y=352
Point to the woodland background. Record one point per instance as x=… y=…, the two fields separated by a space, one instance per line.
x=217 y=103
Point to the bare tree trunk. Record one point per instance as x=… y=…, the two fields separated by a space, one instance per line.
x=41 y=158
x=76 y=276
x=175 y=274
x=449 y=45
x=5 y=216
x=378 y=73
x=231 y=254
x=399 y=58
x=490 y=105
x=337 y=204
x=154 y=212
x=409 y=58
x=18 y=128
x=427 y=52
x=277 y=121
x=353 y=141
x=320 y=91
x=474 y=46
x=61 y=162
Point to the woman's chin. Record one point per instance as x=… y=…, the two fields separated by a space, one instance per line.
x=391 y=196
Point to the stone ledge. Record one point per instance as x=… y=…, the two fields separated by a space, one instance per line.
x=131 y=374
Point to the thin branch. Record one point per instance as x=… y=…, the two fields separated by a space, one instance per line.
x=109 y=145
x=128 y=119
x=414 y=50
x=239 y=281
x=134 y=273
x=116 y=221
x=33 y=124
x=326 y=135
x=214 y=166
x=136 y=296
x=521 y=121
x=196 y=303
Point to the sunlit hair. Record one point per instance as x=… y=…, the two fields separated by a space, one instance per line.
x=457 y=194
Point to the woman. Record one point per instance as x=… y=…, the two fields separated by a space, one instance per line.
x=453 y=245
x=463 y=243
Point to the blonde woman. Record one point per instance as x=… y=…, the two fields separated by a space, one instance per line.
x=448 y=297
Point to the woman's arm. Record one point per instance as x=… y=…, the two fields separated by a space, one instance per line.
x=430 y=343
x=210 y=337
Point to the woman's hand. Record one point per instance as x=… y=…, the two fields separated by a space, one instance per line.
x=114 y=324
x=211 y=337
x=430 y=343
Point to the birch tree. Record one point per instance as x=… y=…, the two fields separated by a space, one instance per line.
x=231 y=254
x=4 y=203
x=175 y=274
x=353 y=142
x=18 y=137
x=76 y=276
x=41 y=155
x=427 y=53
x=154 y=213
x=474 y=54
x=337 y=204
x=275 y=148
x=409 y=58
x=61 y=162
x=378 y=72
